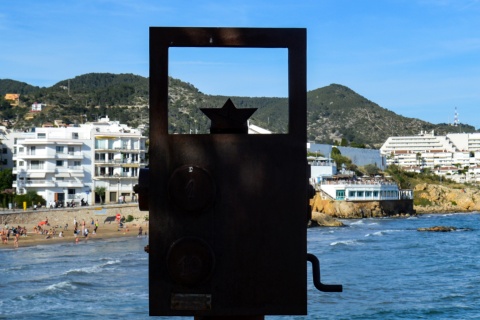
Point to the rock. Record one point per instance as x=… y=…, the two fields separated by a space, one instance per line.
x=438 y=229
x=445 y=199
x=324 y=220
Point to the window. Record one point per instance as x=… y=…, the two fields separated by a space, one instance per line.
x=41 y=135
x=59 y=149
x=71 y=150
x=100 y=144
x=360 y=194
x=32 y=150
x=375 y=194
x=59 y=163
x=35 y=164
x=351 y=194
x=368 y=193
x=21 y=163
x=340 y=194
x=77 y=163
x=74 y=135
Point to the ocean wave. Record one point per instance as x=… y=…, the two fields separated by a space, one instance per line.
x=357 y=222
x=382 y=232
x=13 y=268
x=378 y=233
x=345 y=243
x=50 y=290
x=61 y=287
x=92 y=269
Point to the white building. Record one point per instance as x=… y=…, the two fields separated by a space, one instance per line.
x=69 y=163
x=444 y=155
x=368 y=190
x=37 y=107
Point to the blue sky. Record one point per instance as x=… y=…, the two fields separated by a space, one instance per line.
x=418 y=58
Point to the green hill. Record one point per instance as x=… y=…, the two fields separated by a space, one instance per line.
x=335 y=112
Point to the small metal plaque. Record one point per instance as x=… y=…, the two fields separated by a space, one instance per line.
x=191 y=301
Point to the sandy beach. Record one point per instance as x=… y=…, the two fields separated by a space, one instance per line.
x=62 y=221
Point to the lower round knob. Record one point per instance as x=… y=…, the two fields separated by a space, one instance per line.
x=190 y=261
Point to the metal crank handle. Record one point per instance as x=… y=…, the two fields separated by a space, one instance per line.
x=316 y=277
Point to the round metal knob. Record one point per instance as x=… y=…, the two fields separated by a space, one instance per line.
x=191 y=189
x=190 y=261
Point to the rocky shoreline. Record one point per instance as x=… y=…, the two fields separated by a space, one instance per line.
x=433 y=199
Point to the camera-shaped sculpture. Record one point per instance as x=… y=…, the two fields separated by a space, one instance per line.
x=228 y=210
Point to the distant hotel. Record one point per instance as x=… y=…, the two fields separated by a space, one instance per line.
x=456 y=155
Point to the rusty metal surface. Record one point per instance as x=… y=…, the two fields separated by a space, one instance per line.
x=240 y=199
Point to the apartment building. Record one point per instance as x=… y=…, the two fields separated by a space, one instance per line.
x=444 y=155
x=70 y=163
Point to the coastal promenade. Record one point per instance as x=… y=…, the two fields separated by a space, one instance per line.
x=63 y=220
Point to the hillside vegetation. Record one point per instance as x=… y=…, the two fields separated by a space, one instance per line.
x=335 y=112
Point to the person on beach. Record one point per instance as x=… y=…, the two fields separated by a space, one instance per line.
x=140 y=231
x=4 y=237
x=15 y=242
x=96 y=227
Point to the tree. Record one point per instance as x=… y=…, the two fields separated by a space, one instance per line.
x=7 y=195
x=31 y=198
x=6 y=181
x=371 y=169
x=100 y=191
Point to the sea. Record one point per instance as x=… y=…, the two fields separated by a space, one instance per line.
x=388 y=270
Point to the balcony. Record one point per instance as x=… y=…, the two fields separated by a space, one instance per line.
x=69 y=156
x=118 y=162
x=69 y=183
x=115 y=177
x=33 y=183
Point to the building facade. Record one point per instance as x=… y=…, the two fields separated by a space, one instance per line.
x=71 y=163
x=456 y=155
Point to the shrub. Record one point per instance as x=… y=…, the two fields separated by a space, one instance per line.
x=423 y=202
x=129 y=218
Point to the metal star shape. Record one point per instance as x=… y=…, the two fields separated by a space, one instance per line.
x=228 y=119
